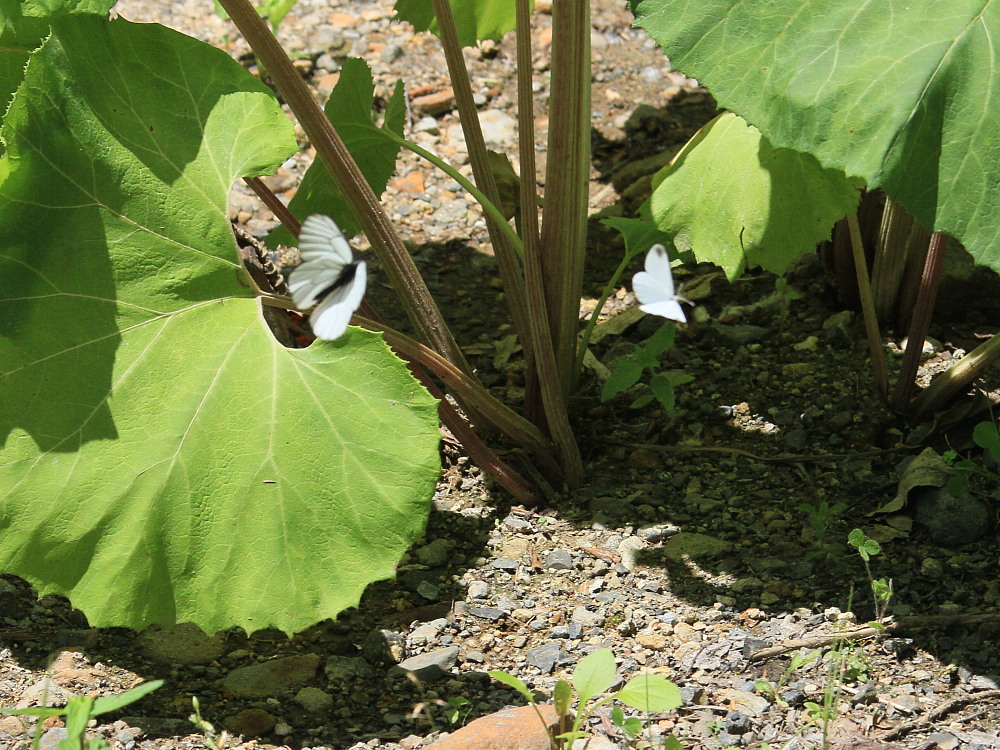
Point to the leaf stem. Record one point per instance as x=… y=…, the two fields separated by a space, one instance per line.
x=875 y=348
x=470 y=391
x=922 y=311
x=403 y=273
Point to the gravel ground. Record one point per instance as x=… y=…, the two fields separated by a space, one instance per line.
x=705 y=545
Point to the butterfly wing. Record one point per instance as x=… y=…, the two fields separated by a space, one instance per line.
x=325 y=253
x=654 y=287
x=329 y=320
x=321 y=238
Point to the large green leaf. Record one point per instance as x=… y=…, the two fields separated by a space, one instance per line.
x=474 y=19
x=350 y=110
x=162 y=457
x=736 y=201
x=23 y=26
x=901 y=94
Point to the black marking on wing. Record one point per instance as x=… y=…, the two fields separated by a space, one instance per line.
x=346 y=276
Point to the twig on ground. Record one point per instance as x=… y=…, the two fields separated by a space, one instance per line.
x=857 y=634
x=945 y=708
x=780 y=458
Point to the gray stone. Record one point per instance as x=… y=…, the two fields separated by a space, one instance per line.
x=951 y=520
x=736 y=722
x=743 y=701
x=585 y=618
x=314 y=700
x=695 y=546
x=516 y=523
x=429 y=666
x=345 y=669
x=44 y=692
x=741 y=334
x=478 y=589
x=544 y=657
x=629 y=550
x=657 y=532
x=429 y=591
x=499 y=128
x=428 y=631
x=435 y=554
x=271 y=678
x=384 y=647
x=185 y=643
x=486 y=613
x=51 y=739
x=559 y=559
x=940 y=740
x=504 y=563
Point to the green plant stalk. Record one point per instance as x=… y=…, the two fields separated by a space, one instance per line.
x=527 y=217
x=581 y=350
x=564 y=222
x=477 y=449
x=414 y=295
x=528 y=311
x=489 y=207
x=507 y=252
x=557 y=418
x=875 y=348
x=929 y=283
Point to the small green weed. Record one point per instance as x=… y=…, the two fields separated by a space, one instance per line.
x=987 y=436
x=881 y=587
x=820 y=517
x=593 y=675
x=773 y=690
x=212 y=738
x=662 y=385
x=458 y=710
x=79 y=710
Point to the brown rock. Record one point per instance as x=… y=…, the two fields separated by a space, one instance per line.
x=251 y=722
x=185 y=643
x=272 y=677
x=434 y=104
x=510 y=729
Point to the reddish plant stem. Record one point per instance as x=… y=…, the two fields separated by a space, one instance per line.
x=406 y=280
x=929 y=283
x=279 y=209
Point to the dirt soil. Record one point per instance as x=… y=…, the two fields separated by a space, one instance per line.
x=706 y=542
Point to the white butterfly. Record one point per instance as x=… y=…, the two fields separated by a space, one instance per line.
x=654 y=287
x=328 y=275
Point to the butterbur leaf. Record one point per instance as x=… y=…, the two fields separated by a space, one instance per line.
x=562 y=697
x=475 y=20
x=650 y=693
x=925 y=130
x=736 y=201
x=162 y=457
x=594 y=674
